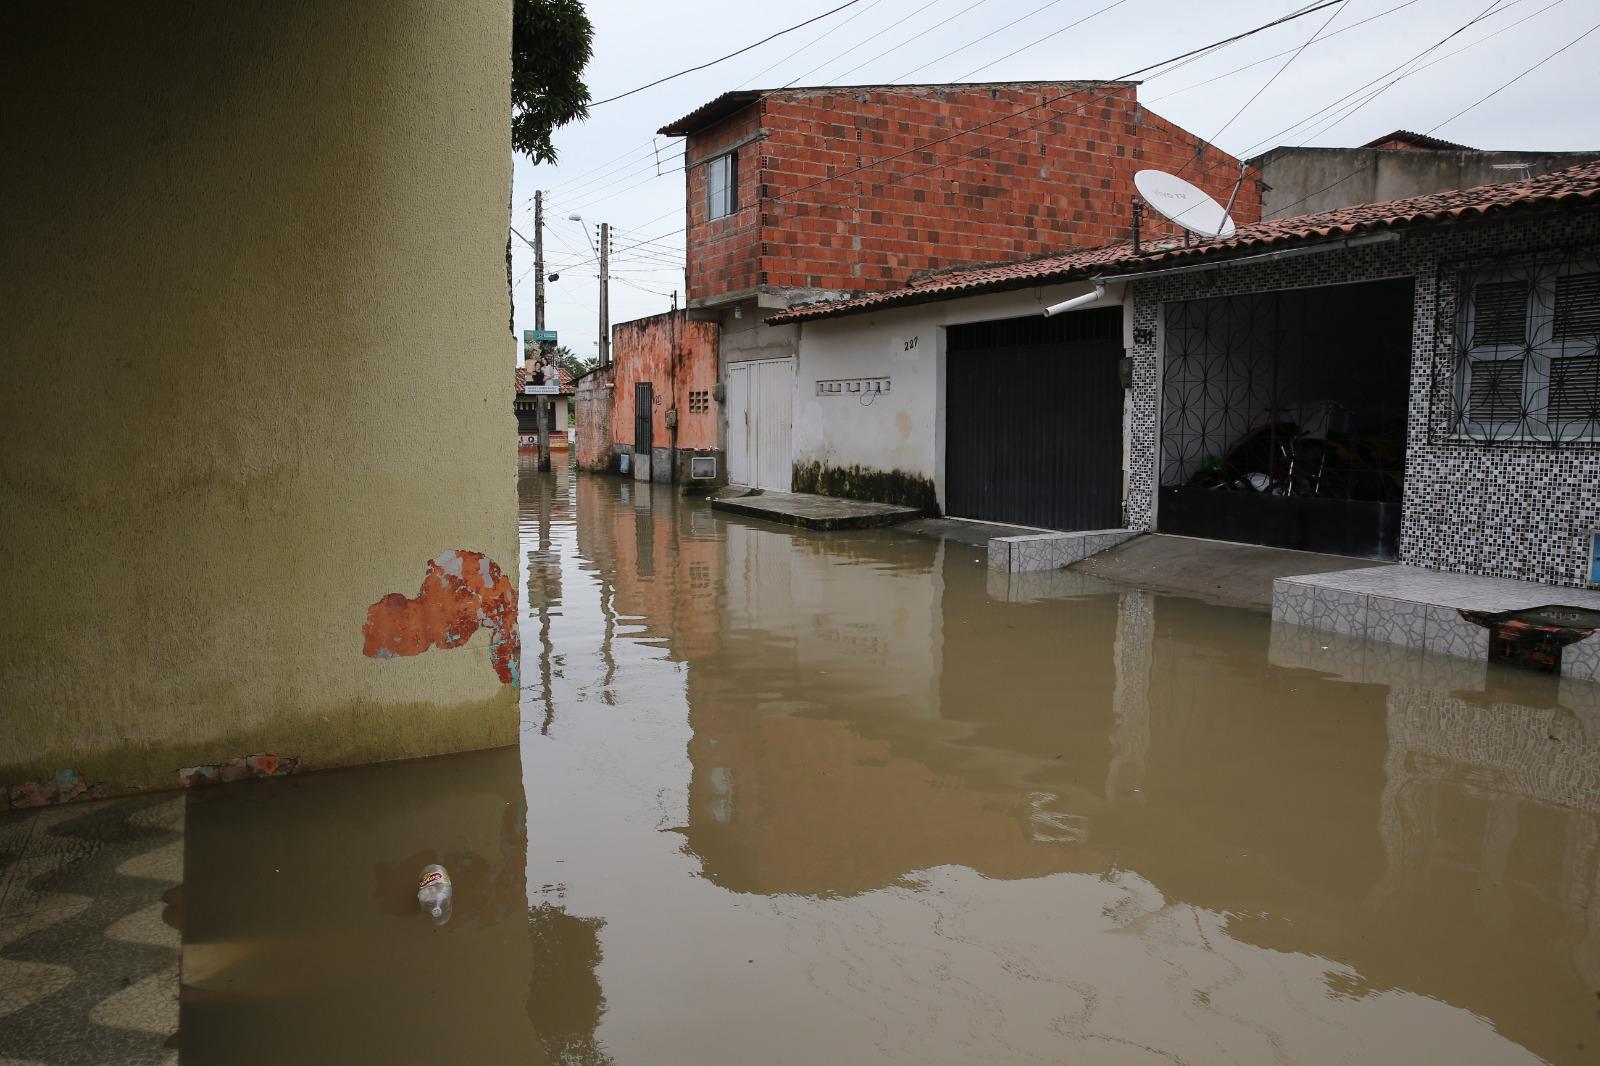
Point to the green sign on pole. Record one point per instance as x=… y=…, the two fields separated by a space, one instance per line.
x=532 y=338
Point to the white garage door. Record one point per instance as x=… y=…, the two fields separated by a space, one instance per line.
x=760 y=409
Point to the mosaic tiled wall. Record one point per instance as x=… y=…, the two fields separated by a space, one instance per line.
x=1508 y=509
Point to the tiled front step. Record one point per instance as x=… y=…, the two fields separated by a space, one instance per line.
x=1416 y=608
x=1051 y=551
x=809 y=511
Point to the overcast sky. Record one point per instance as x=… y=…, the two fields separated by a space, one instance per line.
x=608 y=166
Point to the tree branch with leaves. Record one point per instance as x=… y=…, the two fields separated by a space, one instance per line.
x=551 y=43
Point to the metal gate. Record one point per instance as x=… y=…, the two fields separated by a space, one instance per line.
x=1034 y=421
x=643 y=416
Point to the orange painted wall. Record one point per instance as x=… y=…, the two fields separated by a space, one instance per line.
x=678 y=357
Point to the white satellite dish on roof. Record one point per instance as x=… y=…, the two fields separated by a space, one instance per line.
x=1187 y=205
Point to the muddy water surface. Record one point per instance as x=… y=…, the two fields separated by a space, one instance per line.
x=849 y=798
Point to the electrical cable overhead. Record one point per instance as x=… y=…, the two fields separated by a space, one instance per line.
x=818 y=39
x=639 y=150
x=730 y=55
x=859 y=44
x=868 y=62
x=1458 y=114
x=1300 y=13
x=1170 y=64
x=1210 y=142
x=1356 y=105
x=985 y=37
x=1495 y=92
x=1495 y=8
x=1041 y=40
x=1276 y=55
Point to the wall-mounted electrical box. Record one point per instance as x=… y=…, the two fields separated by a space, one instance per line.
x=852 y=386
x=703 y=467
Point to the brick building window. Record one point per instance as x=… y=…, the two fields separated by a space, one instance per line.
x=699 y=401
x=1528 y=351
x=722 y=186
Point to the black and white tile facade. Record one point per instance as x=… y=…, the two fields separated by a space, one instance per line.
x=1508 y=509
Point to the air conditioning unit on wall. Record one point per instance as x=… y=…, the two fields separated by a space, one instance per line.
x=703 y=467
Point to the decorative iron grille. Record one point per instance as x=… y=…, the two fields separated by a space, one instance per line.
x=1290 y=393
x=1523 y=364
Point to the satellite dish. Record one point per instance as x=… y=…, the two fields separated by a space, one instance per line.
x=1187 y=205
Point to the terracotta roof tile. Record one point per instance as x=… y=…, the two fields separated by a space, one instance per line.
x=1417 y=140
x=1577 y=186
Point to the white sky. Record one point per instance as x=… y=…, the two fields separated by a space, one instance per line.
x=1550 y=109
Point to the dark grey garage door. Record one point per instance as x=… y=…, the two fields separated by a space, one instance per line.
x=1033 y=417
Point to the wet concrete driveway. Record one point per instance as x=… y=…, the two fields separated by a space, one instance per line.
x=792 y=797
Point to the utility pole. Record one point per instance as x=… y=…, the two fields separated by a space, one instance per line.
x=542 y=406
x=538 y=260
x=605 y=294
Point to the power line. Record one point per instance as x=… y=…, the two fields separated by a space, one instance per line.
x=585 y=204
x=1041 y=40
x=908 y=40
x=1170 y=63
x=602 y=166
x=985 y=37
x=852 y=48
x=1458 y=114
x=1267 y=59
x=1493 y=9
x=1519 y=77
x=1212 y=140
x=1357 y=105
x=818 y=39
x=1052 y=100
x=730 y=55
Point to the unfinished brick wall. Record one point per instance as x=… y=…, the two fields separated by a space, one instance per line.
x=678 y=357
x=724 y=253
x=593 y=418
x=1055 y=178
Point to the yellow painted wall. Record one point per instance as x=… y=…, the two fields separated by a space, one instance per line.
x=254 y=316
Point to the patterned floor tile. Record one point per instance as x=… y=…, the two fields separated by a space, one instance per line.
x=88 y=966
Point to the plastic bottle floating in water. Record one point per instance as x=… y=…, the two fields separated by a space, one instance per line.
x=433 y=892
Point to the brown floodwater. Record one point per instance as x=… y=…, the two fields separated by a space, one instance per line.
x=785 y=797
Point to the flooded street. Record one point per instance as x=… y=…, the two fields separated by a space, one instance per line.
x=791 y=797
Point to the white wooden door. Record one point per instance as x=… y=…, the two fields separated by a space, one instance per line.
x=740 y=461
x=772 y=424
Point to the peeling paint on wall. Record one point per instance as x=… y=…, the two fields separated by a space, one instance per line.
x=461 y=591
x=239 y=769
x=63 y=786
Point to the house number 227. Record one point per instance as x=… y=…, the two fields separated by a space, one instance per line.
x=912 y=343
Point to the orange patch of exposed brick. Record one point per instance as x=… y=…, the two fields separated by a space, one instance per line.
x=461 y=591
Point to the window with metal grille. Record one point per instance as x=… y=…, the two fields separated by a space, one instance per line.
x=1577 y=311
x=1528 y=363
x=1575 y=389
x=1495 y=394
x=1499 y=313
x=722 y=186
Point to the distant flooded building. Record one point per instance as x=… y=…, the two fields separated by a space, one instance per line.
x=558 y=412
x=659 y=398
x=1415 y=380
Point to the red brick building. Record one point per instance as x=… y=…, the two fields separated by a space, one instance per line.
x=796 y=194
x=799 y=195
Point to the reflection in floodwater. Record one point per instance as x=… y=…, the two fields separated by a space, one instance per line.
x=852 y=797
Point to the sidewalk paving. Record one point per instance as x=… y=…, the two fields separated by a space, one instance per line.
x=88 y=960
